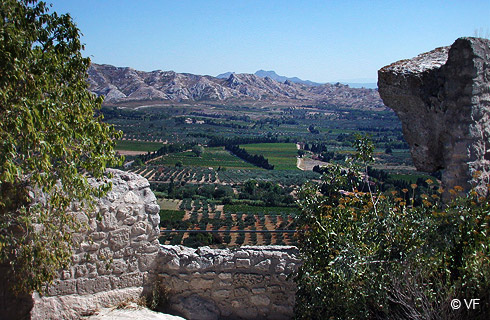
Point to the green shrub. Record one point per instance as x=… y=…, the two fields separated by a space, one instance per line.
x=377 y=256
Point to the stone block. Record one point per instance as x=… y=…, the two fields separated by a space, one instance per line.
x=80 y=271
x=152 y=209
x=242 y=254
x=108 y=222
x=104 y=267
x=87 y=286
x=247 y=279
x=258 y=290
x=221 y=294
x=146 y=262
x=144 y=247
x=224 y=276
x=118 y=239
x=118 y=266
x=130 y=220
x=96 y=236
x=134 y=279
x=138 y=228
x=131 y=198
x=260 y=300
x=241 y=292
x=242 y=263
x=201 y=284
x=62 y=287
x=263 y=265
x=123 y=212
x=173 y=264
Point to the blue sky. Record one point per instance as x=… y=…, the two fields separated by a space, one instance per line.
x=315 y=40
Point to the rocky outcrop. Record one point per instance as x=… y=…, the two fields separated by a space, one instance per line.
x=442 y=98
x=126 y=85
x=115 y=257
x=244 y=283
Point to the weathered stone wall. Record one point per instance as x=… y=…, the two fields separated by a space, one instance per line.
x=115 y=256
x=119 y=258
x=443 y=101
x=244 y=283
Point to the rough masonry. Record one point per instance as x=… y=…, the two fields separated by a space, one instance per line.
x=119 y=259
x=250 y=282
x=442 y=98
x=115 y=257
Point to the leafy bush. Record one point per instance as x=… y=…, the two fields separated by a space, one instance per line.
x=51 y=142
x=371 y=255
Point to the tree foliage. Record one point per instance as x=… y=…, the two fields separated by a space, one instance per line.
x=374 y=255
x=255 y=159
x=51 y=143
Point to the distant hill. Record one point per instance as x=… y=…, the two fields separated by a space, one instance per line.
x=225 y=75
x=368 y=85
x=273 y=75
x=125 y=85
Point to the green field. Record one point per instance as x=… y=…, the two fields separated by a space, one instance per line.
x=212 y=157
x=138 y=145
x=281 y=155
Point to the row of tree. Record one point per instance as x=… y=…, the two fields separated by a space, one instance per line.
x=170 y=148
x=255 y=159
x=217 y=141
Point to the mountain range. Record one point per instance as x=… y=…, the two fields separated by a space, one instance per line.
x=273 y=75
x=364 y=83
x=122 y=85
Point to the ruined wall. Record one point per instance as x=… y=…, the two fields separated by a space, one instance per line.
x=119 y=257
x=115 y=256
x=442 y=98
x=244 y=283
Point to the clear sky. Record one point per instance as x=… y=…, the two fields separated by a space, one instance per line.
x=321 y=41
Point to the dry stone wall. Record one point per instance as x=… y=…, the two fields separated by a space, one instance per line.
x=119 y=259
x=245 y=283
x=115 y=256
x=442 y=98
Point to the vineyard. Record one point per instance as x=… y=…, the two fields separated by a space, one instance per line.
x=229 y=175
x=201 y=175
x=204 y=215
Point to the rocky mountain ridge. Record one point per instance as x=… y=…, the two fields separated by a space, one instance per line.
x=273 y=75
x=124 y=85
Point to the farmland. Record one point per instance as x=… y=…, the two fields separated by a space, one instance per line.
x=201 y=185
x=138 y=145
x=212 y=157
x=281 y=155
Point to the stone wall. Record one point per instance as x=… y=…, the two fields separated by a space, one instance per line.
x=442 y=98
x=244 y=283
x=119 y=259
x=115 y=256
